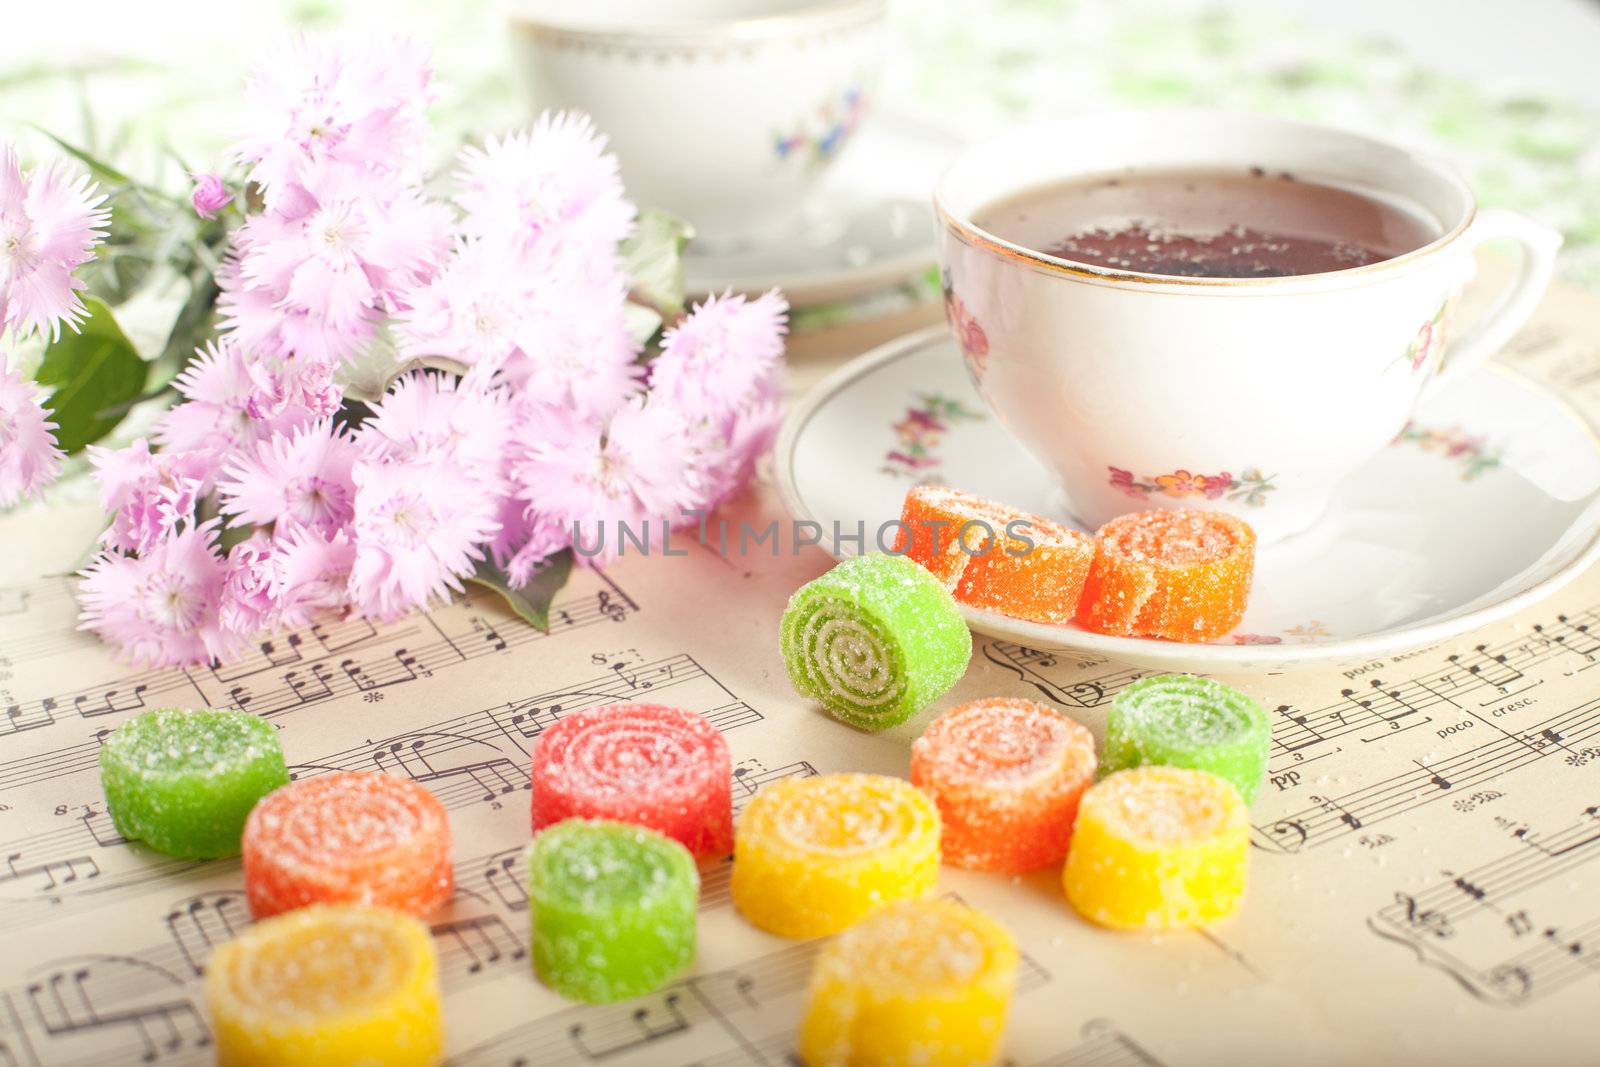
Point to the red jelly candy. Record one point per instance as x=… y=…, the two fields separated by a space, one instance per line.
x=347 y=838
x=1007 y=776
x=658 y=767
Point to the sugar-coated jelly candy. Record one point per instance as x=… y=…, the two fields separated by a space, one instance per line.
x=184 y=781
x=814 y=855
x=363 y=838
x=1007 y=776
x=993 y=556
x=1158 y=847
x=327 y=986
x=1181 y=720
x=921 y=983
x=612 y=907
x=875 y=640
x=658 y=767
x=1182 y=575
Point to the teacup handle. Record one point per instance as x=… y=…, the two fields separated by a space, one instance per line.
x=1537 y=260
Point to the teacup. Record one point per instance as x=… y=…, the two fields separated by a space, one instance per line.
x=724 y=112
x=1253 y=396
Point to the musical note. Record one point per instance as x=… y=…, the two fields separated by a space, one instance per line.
x=483 y=940
x=21 y=717
x=502 y=873
x=648 y=1024
x=201 y=923
x=111 y=702
x=57 y=873
x=65 y=1006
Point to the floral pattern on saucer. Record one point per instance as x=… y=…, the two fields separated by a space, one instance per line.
x=1473 y=451
x=1251 y=486
x=918 y=433
x=818 y=142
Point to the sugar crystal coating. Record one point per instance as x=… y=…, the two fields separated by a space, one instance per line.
x=184 y=781
x=366 y=838
x=1182 y=575
x=875 y=640
x=612 y=907
x=920 y=983
x=1158 y=848
x=658 y=767
x=1007 y=776
x=996 y=557
x=1180 y=720
x=814 y=855
x=327 y=986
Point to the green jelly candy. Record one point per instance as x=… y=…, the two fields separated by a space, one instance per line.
x=183 y=781
x=1180 y=720
x=613 y=909
x=875 y=640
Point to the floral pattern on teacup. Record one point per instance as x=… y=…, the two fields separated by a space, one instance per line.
x=819 y=140
x=1428 y=345
x=918 y=433
x=1250 y=487
x=1472 y=451
x=971 y=339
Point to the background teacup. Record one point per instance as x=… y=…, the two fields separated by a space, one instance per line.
x=1248 y=395
x=724 y=112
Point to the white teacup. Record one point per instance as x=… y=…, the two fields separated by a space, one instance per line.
x=1253 y=396
x=724 y=112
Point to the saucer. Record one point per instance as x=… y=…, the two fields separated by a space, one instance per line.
x=1488 y=501
x=869 y=227
x=850 y=248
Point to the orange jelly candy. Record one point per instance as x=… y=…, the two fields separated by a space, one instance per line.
x=347 y=838
x=995 y=557
x=1182 y=575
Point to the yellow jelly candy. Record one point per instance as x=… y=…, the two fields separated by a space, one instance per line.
x=814 y=855
x=1158 y=847
x=326 y=986
x=920 y=982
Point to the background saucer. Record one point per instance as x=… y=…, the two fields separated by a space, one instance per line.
x=1488 y=501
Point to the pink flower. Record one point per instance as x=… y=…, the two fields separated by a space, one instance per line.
x=300 y=479
x=418 y=530
x=49 y=224
x=233 y=399
x=730 y=461
x=250 y=587
x=313 y=277
x=161 y=607
x=29 y=458
x=638 y=468
x=554 y=182
x=353 y=107
x=312 y=570
x=210 y=196
x=150 y=495
x=554 y=333
x=725 y=354
x=465 y=426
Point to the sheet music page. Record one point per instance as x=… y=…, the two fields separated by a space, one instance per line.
x=1425 y=883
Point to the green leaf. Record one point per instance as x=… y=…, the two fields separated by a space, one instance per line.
x=653 y=260
x=90 y=374
x=98 y=167
x=530 y=601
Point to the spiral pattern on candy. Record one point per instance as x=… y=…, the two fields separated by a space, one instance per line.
x=1181 y=720
x=1183 y=575
x=921 y=983
x=814 y=855
x=1007 y=776
x=327 y=986
x=875 y=640
x=654 y=766
x=348 y=837
x=1158 y=848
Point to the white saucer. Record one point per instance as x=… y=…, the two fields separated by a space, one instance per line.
x=1487 y=503
x=850 y=249
x=870 y=225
